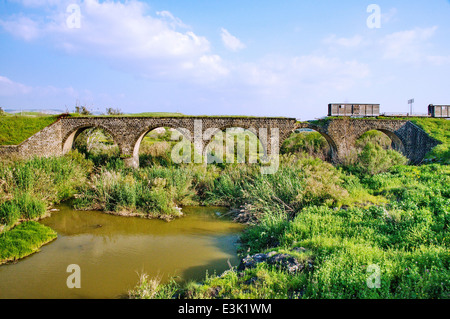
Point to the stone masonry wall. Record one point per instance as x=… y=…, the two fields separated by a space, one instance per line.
x=44 y=143
x=406 y=137
x=127 y=132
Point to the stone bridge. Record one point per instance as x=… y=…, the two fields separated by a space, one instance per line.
x=342 y=134
x=128 y=132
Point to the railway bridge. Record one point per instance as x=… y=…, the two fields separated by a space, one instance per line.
x=128 y=132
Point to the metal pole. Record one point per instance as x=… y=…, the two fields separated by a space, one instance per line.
x=410 y=102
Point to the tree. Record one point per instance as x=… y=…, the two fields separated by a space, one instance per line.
x=83 y=110
x=2 y=113
x=112 y=111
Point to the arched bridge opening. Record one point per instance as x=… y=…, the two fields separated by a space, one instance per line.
x=157 y=144
x=234 y=144
x=312 y=140
x=91 y=139
x=383 y=137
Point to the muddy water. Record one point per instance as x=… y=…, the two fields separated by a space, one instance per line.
x=112 y=251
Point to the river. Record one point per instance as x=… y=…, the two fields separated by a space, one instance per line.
x=112 y=251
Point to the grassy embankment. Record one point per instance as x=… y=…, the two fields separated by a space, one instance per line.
x=440 y=130
x=14 y=129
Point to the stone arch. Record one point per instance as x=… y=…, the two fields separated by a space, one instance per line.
x=334 y=149
x=397 y=142
x=70 y=137
x=209 y=134
x=140 y=136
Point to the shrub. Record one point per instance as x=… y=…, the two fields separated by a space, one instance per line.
x=374 y=137
x=24 y=206
x=29 y=206
x=152 y=191
x=310 y=143
x=373 y=159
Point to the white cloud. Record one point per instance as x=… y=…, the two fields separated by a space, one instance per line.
x=125 y=35
x=125 y=30
x=174 y=21
x=37 y=3
x=438 y=59
x=231 y=42
x=22 y=27
x=213 y=62
x=163 y=47
x=407 y=45
x=273 y=74
x=10 y=88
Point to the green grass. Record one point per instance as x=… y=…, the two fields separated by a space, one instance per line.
x=23 y=207
x=23 y=240
x=153 y=192
x=440 y=130
x=28 y=188
x=16 y=129
x=407 y=238
x=27 y=114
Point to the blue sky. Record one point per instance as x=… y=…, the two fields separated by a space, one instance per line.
x=266 y=58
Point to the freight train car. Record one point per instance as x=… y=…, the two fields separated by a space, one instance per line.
x=355 y=110
x=439 y=110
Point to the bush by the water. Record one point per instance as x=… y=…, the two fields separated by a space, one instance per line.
x=153 y=191
x=28 y=188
